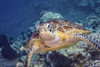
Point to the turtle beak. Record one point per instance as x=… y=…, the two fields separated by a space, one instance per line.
x=47 y=35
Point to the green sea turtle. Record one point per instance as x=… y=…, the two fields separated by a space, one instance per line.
x=57 y=34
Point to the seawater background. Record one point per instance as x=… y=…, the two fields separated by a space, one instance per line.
x=17 y=16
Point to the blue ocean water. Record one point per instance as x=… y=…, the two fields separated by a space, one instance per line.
x=17 y=15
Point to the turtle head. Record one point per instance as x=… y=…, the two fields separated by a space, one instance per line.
x=46 y=31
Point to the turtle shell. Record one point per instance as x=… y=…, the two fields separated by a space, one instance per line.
x=65 y=26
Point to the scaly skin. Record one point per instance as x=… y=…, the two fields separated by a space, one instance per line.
x=30 y=53
x=90 y=40
x=55 y=35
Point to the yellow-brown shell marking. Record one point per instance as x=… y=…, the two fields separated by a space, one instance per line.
x=54 y=35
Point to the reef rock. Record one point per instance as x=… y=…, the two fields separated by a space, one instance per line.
x=93 y=23
x=50 y=15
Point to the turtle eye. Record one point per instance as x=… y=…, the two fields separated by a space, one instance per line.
x=51 y=28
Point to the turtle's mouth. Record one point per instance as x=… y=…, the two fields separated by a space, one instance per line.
x=47 y=35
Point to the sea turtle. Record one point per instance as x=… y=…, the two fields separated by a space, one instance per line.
x=57 y=34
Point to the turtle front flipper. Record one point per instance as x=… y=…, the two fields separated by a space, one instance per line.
x=28 y=59
x=89 y=39
x=30 y=42
x=32 y=50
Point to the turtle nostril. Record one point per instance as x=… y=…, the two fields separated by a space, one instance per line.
x=50 y=30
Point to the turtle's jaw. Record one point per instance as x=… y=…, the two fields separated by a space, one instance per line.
x=47 y=35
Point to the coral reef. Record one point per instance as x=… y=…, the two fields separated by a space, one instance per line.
x=93 y=23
